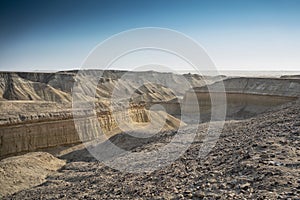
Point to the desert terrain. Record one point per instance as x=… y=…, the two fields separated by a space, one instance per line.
x=257 y=155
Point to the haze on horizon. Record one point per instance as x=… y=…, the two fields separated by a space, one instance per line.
x=237 y=35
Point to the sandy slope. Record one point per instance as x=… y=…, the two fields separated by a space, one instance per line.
x=22 y=172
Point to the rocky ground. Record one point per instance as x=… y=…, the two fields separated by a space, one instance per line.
x=257 y=158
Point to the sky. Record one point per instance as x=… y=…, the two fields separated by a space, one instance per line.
x=236 y=34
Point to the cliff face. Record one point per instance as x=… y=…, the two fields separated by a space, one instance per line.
x=263 y=86
x=60 y=130
x=37 y=112
x=245 y=97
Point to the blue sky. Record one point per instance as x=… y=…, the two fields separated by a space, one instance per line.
x=237 y=34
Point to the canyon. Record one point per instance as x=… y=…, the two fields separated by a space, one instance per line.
x=38 y=112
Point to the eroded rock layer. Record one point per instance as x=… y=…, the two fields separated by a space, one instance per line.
x=241 y=97
x=50 y=132
x=37 y=111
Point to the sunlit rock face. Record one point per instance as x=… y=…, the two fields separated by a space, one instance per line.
x=53 y=129
x=36 y=108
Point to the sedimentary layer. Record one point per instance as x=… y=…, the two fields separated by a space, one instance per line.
x=241 y=97
x=49 y=132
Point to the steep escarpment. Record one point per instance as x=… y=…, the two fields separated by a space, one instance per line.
x=263 y=86
x=243 y=97
x=52 y=129
x=20 y=112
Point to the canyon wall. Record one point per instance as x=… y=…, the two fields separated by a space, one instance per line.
x=24 y=137
x=263 y=86
x=36 y=109
x=244 y=97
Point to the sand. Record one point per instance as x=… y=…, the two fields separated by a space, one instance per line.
x=26 y=171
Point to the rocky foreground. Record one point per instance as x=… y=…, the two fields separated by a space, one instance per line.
x=257 y=158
